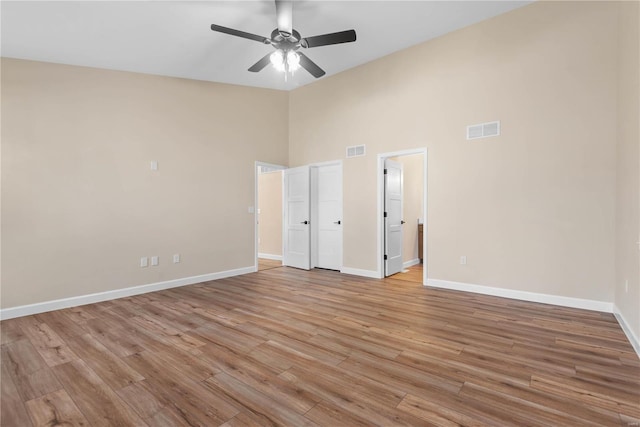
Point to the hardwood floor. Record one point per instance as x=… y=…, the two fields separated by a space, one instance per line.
x=267 y=264
x=411 y=274
x=290 y=347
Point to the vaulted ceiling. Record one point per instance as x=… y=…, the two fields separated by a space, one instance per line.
x=173 y=38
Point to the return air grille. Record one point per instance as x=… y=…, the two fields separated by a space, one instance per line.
x=483 y=130
x=356 y=151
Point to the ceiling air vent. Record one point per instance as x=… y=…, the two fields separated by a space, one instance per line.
x=356 y=151
x=483 y=130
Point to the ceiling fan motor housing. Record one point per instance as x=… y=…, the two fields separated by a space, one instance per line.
x=286 y=42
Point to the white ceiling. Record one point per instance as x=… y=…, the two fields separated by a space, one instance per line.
x=173 y=38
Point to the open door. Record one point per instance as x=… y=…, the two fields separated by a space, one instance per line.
x=296 y=242
x=392 y=217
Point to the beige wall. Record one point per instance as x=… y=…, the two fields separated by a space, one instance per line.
x=628 y=187
x=80 y=205
x=550 y=206
x=270 y=217
x=533 y=209
x=412 y=195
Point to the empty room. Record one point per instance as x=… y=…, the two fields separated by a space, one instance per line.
x=320 y=213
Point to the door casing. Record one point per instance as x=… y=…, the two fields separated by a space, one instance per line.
x=380 y=211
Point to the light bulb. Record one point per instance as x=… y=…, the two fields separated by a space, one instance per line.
x=293 y=60
x=277 y=59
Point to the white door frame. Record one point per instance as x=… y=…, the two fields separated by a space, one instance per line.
x=380 y=213
x=256 y=170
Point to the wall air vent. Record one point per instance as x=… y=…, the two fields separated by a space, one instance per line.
x=483 y=130
x=356 y=151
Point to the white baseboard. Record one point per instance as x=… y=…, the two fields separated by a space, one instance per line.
x=372 y=274
x=270 y=256
x=26 y=310
x=606 y=307
x=411 y=263
x=586 y=304
x=633 y=339
x=41 y=307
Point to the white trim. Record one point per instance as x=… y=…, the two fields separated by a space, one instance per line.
x=633 y=339
x=41 y=307
x=411 y=263
x=586 y=304
x=270 y=165
x=380 y=242
x=338 y=162
x=372 y=274
x=270 y=256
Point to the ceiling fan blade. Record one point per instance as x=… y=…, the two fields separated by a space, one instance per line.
x=284 y=15
x=331 y=38
x=258 y=66
x=310 y=66
x=239 y=33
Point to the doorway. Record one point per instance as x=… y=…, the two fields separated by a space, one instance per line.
x=394 y=202
x=268 y=216
x=402 y=195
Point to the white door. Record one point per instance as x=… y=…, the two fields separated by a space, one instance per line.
x=392 y=217
x=296 y=247
x=328 y=188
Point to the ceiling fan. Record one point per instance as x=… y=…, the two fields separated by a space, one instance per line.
x=288 y=41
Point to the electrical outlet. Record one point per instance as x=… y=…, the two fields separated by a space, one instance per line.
x=144 y=261
x=153 y=165
x=463 y=260
x=155 y=260
x=176 y=258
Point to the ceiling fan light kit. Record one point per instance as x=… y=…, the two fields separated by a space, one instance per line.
x=289 y=62
x=287 y=41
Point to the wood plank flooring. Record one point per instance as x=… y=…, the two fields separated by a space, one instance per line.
x=267 y=264
x=289 y=347
x=411 y=274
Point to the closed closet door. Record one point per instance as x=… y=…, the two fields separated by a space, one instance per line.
x=328 y=226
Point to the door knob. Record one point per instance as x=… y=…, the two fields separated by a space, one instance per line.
x=402 y=222
x=304 y=222
x=337 y=222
